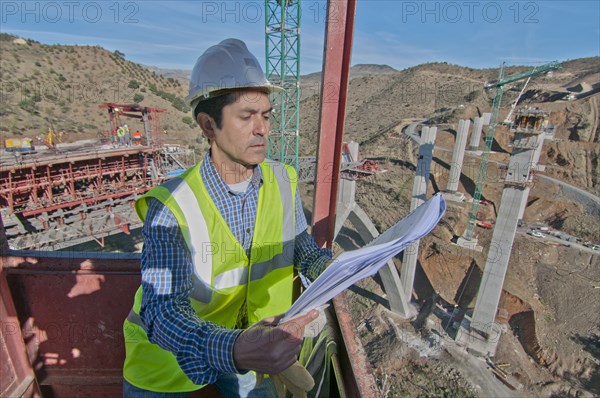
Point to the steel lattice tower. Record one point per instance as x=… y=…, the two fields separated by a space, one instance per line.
x=282 y=40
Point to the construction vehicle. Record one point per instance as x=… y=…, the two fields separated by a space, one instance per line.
x=51 y=139
x=18 y=145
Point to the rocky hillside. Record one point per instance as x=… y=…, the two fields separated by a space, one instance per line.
x=441 y=93
x=549 y=291
x=61 y=87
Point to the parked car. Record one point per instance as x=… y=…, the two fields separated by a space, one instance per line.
x=536 y=234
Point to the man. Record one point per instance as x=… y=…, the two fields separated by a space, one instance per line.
x=220 y=245
x=137 y=137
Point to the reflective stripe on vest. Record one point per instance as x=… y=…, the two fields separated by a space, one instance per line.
x=136 y=319
x=198 y=232
x=283 y=182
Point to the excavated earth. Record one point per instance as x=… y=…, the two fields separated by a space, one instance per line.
x=550 y=303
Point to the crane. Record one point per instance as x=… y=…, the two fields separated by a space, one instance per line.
x=489 y=136
x=508 y=119
x=282 y=20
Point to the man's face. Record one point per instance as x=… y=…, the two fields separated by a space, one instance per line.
x=242 y=138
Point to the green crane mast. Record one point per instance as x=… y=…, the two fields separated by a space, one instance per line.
x=282 y=20
x=489 y=136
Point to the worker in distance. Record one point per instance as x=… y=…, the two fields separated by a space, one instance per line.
x=221 y=242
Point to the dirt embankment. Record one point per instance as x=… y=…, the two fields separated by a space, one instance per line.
x=551 y=303
x=550 y=298
x=574 y=155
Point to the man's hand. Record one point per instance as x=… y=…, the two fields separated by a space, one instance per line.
x=268 y=348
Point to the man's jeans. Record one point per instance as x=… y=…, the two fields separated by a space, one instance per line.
x=229 y=385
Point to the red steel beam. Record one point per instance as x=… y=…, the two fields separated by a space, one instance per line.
x=96 y=199
x=361 y=382
x=21 y=187
x=17 y=377
x=76 y=156
x=334 y=87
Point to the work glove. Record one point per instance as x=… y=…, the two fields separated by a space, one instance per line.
x=294 y=379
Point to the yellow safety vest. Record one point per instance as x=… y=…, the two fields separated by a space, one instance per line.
x=225 y=278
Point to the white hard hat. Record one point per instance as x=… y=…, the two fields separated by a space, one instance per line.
x=227 y=65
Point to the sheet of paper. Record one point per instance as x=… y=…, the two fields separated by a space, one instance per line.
x=352 y=266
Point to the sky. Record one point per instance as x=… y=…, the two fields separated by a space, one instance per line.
x=398 y=33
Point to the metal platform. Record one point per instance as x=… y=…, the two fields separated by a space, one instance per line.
x=56 y=199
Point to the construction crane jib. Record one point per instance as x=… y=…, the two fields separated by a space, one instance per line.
x=489 y=136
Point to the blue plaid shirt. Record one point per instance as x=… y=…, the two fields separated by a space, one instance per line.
x=203 y=349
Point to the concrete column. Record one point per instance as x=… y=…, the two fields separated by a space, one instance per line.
x=423 y=166
x=409 y=260
x=346 y=194
x=348 y=209
x=523 y=204
x=353 y=149
x=538 y=150
x=388 y=273
x=147 y=131
x=483 y=332
x=458 y=155
x=487 y=118
x=535 y=157
x=476 y=134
